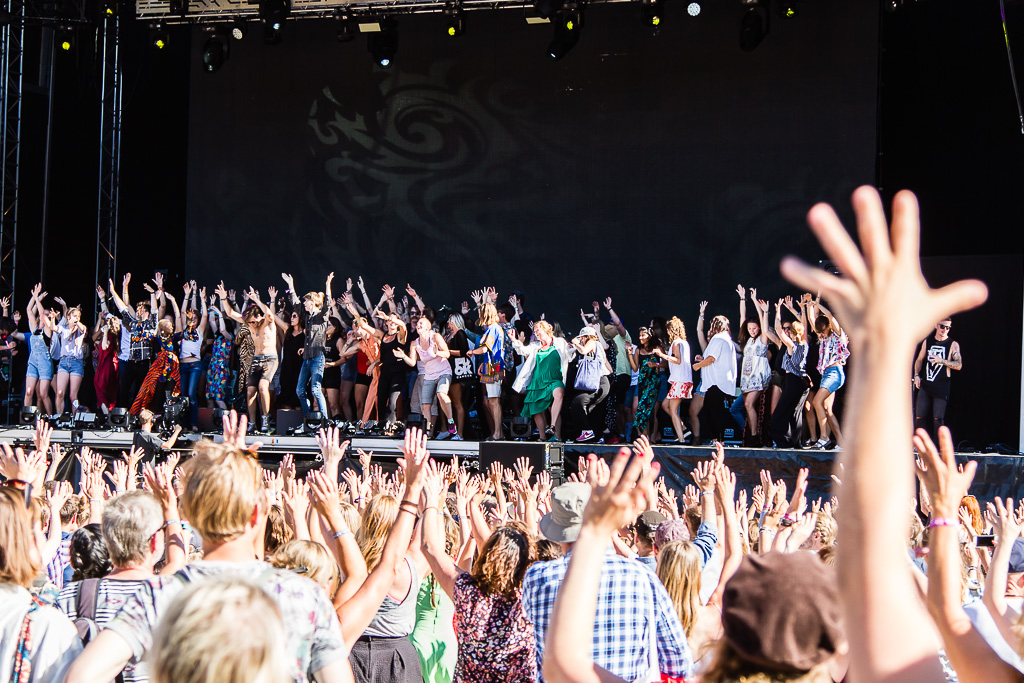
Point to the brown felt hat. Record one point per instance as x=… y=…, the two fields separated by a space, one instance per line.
x=781 y=611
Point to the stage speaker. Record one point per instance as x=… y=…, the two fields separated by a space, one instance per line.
x=287 y=419
x=521 y=428
x=542 y=455
x=206 y=423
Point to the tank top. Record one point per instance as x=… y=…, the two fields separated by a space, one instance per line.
x=433 y=366
x=396 y=619
x=389 y=364
x=936 y=377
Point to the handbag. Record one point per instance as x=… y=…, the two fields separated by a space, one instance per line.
x=588 y=373
x=490 y=372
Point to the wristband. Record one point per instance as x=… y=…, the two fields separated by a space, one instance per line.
x=942 y=521
x=172 y=521
x=705 y=493
x=339 y=534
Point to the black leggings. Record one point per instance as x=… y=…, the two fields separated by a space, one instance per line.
x=586 y=401
x=389 y=388
x=788 y=417
x=928 y=404
x=715 y=411
x=131 y=375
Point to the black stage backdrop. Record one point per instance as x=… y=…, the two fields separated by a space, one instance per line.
x=659 y=170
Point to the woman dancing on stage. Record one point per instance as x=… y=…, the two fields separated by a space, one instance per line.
x=833 y=352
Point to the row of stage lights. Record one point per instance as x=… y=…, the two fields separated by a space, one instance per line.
x=566 y=16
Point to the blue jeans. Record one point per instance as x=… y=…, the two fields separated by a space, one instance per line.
x=190 y=374
x=739 y=413
x=312 y=371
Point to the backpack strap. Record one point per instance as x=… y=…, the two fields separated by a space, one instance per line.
x=88 y=597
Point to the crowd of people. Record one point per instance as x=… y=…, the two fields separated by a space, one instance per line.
x=466 y=372
x=430 y=572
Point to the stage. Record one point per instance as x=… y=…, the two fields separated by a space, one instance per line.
x=997 y=475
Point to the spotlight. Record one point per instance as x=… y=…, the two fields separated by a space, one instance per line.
x=29 y=415
x=521 y=428
x=314 y=422
x=384 y=44
x=693 y=9
x=65 y=38
x=119 y=419
x=789 y=8
x=274 y=12
x=347 y=28
x=567 y=33
x=548 y=8
x=651 y=12
x=216 y=50
x=456 y=20
x=159 y=36
x=754 y=25
x=238 y=29
x=179 y=7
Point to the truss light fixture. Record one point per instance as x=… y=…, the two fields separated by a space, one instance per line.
x=383 y=44
x=568 y=25
x=65 y=38
x=216 y=50
x=456 y=24
x=652 y=12
x=274 y=12
x=239 y=28
x=754 y=24
x=693 y=9
x=347 y=27
x=159 y=36
x=789 y=8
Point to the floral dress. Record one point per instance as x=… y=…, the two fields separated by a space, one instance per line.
x=647 y=389
x=757 y=371
x=496 y=643
x=219 y=372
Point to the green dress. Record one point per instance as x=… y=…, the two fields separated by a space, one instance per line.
x=547 y=376
x=434 y=634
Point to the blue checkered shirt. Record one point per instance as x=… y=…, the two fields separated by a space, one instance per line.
x=628 y=595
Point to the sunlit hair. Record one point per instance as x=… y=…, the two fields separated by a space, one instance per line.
x=676 y=329
x=146 y=416
x=350 y=514
x=974 y=510
x=316 y=297
x=502 y=563
x=378 y=518
x=19 y=558
x=543 y=326
x=828 y=555
x=826 y=528
x=196 y=639
x=129 y=522
x=719 y=324
x=278 y=532
x=823 y=326
x=488 y=315
x=798 y=331
x=73 y=507
x=679 y=570
x=314 y=559
x=165 y=328
x=224 y=489
x=729 y=666
x=88 y=554
x=455 y=319
x=548 y=550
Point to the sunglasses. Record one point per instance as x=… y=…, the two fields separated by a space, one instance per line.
x=943 y=327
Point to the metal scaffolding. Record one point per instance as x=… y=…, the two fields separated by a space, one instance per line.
x=108 y=58
x=12 y=38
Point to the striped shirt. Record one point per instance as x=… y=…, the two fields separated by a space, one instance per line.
x=111 y=595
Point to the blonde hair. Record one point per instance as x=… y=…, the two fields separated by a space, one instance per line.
x=316 y=297
x=719 y=324
x=676 y=329
x=19 y=560
x=277 y=533
x=798 y=330
x=729 y=666
x=378 y=519
x=314 y=558
x=223 y=490
x=679 y=570
x=197 y=640
x=543 y=325
x=488 y=315
x=826 y=528
x=350 y=513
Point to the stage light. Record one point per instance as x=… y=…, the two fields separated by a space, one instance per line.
x=159 y=36
x=347 y=28
x=119 y=418
x=521 y=428
x=383 y=44
x=273 y=13
x=567 y=33
x=216 y=51
x=29 y=415
x=548 y=8
x=651 y=12
x=456 y=25
x=789 y=8
x=693 y=9
x=65 y=38
x=239 y=29
x=313 y=423
x=754 y=25
x=179 y=7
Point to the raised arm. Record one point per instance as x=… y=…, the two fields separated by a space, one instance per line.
x=328 y=297
x=122 y=304
x=288 y=280
x=888 y=629
x=780 y=338
x=741 y=290
x=761 y=307
x=226 y=305
x=178 y=326
x=204 y=317
x=701 y=339
x=441 y=564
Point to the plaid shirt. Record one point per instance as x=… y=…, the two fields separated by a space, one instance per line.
x=628 y=595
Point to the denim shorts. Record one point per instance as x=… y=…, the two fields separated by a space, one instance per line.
x=40 y=367
x=72 y=366
x=833 y=378
x=663 y=389
x=349 y=370
x=434 y=386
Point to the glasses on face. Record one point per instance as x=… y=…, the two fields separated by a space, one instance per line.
x=943 y=327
